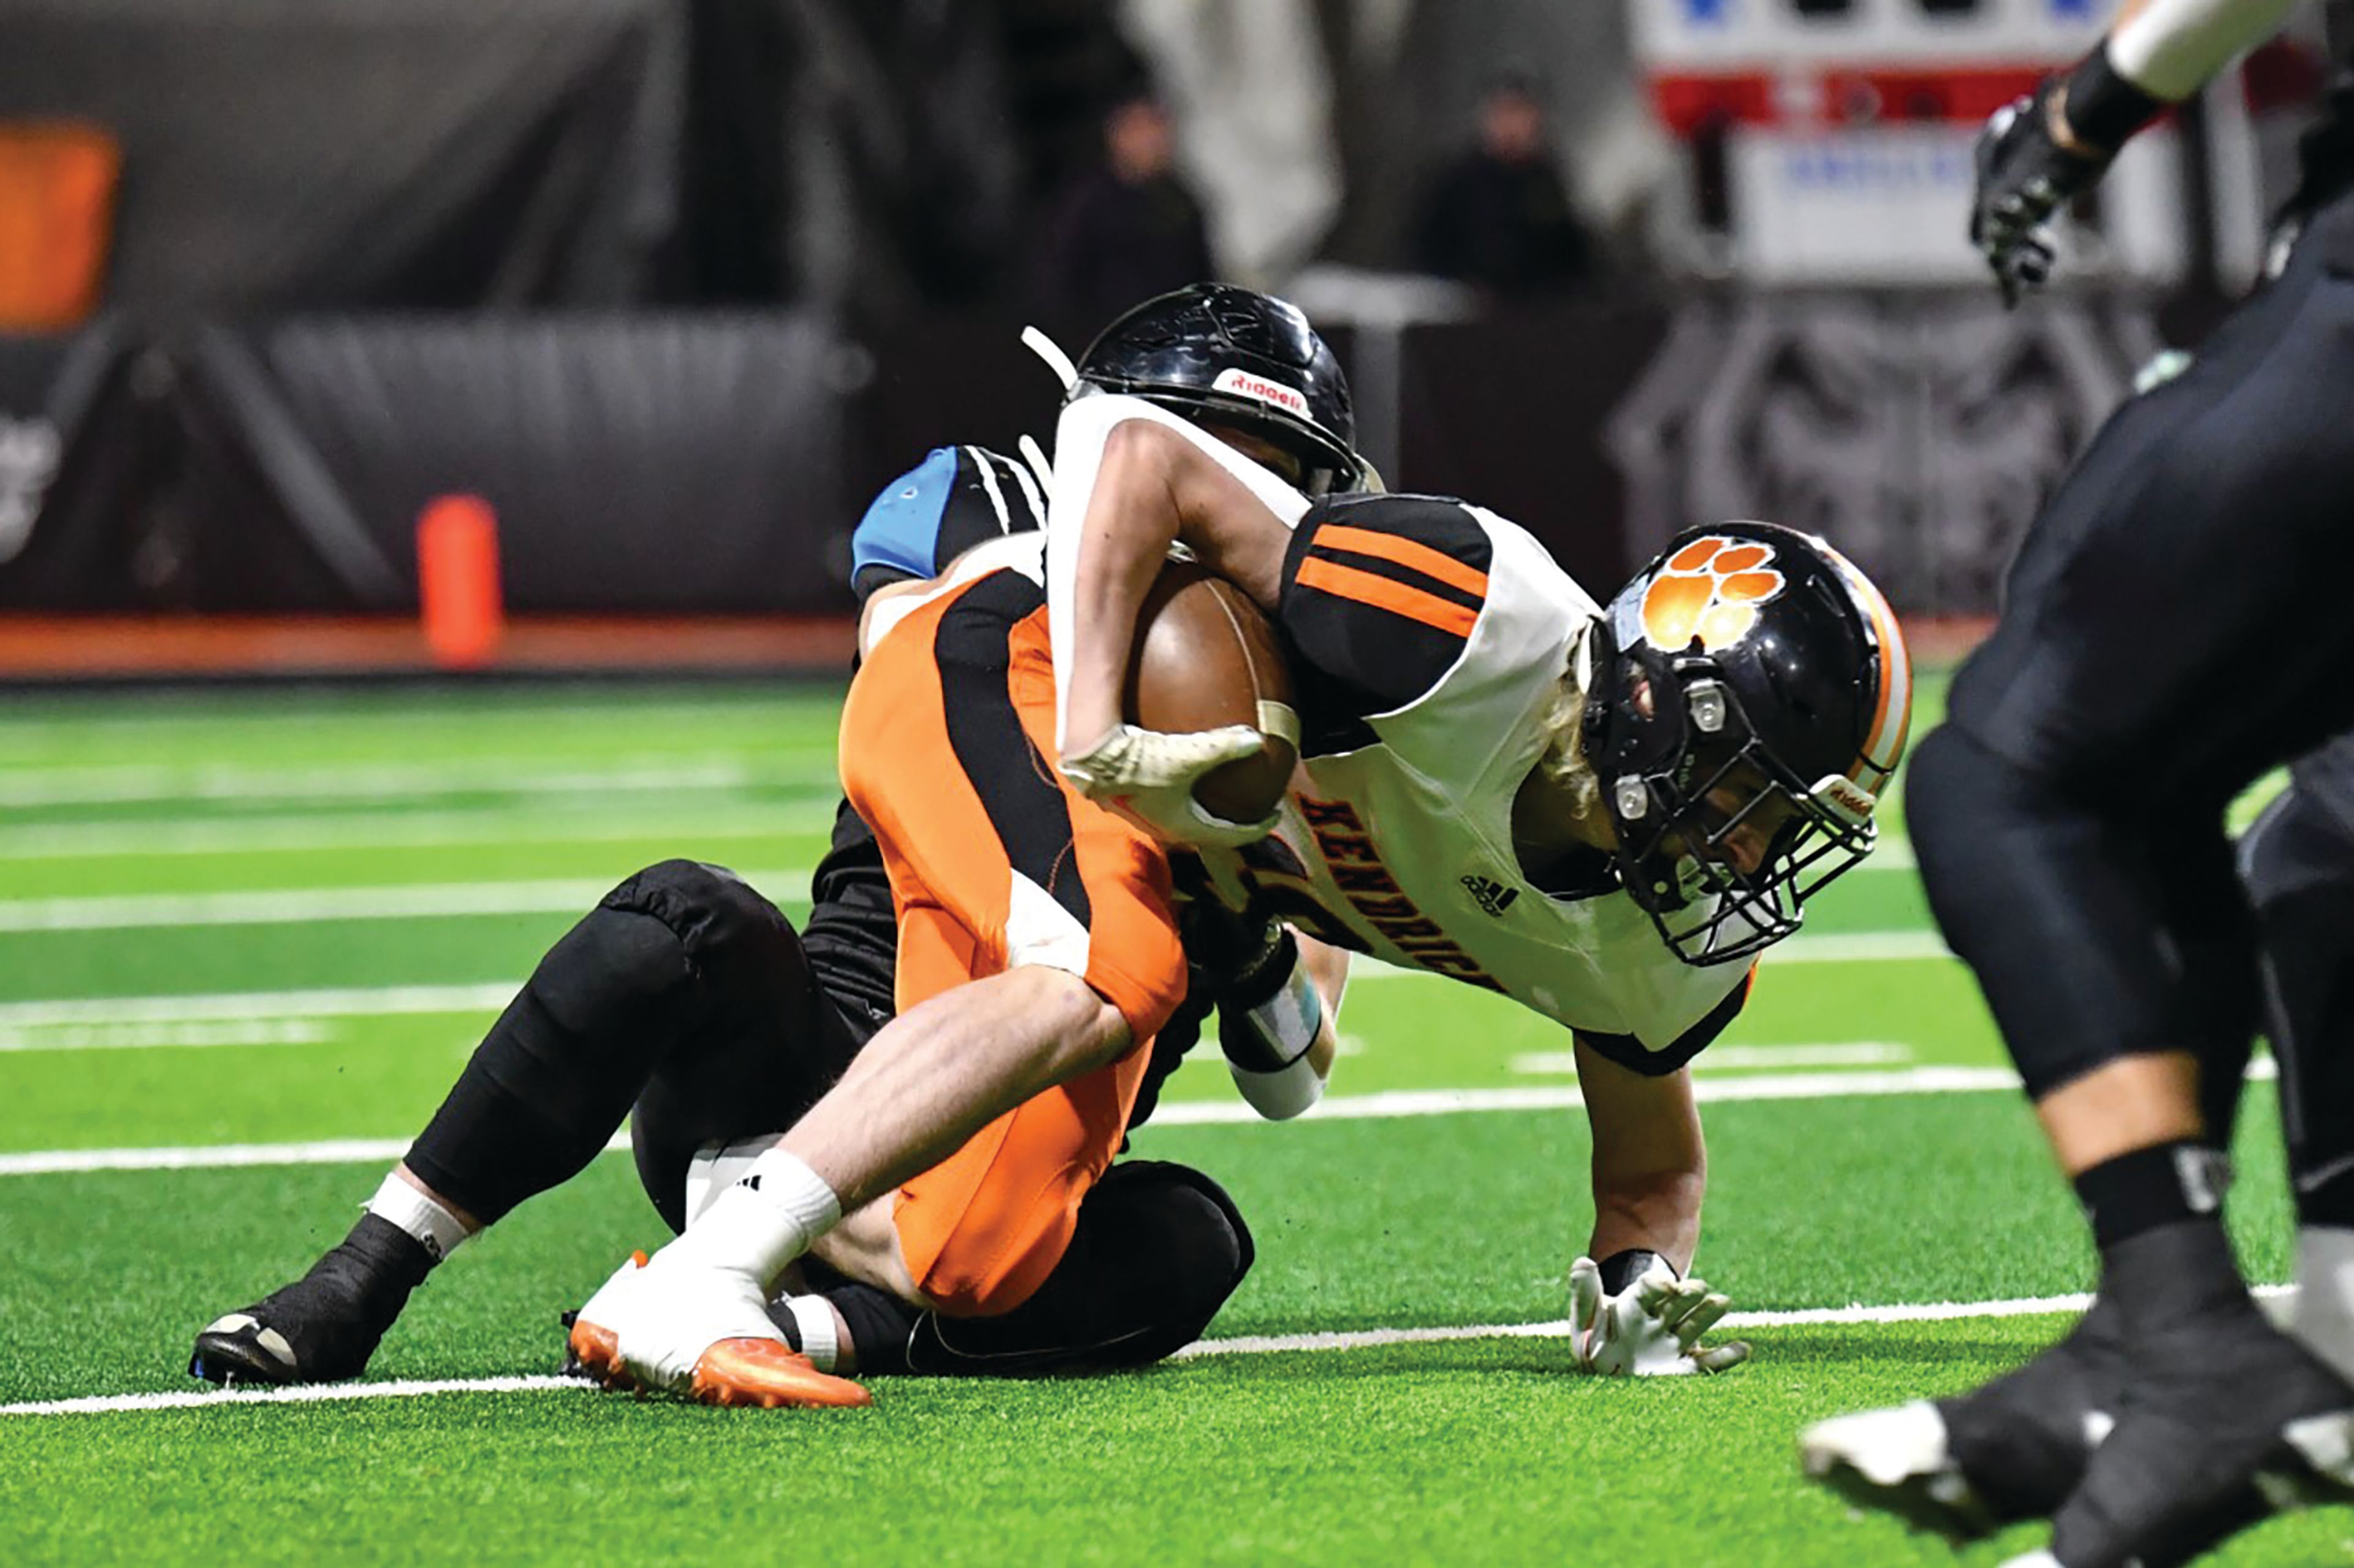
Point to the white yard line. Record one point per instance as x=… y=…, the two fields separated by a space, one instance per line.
x=352 y=1002
x=1207 y=1113
x=1242 y=1345
x=181 y=1035
x=506 y=776
x=1454 y=1102
x=502 y=824
x=191 y=1399
x=1836 y=1053
x=283 y=907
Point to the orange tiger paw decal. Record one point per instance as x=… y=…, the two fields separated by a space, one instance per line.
x=1710 y=589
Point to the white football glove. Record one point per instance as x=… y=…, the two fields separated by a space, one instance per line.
x=1149 y=777
x=1651 y=1328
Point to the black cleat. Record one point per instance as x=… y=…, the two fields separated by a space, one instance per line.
x=2226 y=1423
x=1966 y=1465
x=324 y=1326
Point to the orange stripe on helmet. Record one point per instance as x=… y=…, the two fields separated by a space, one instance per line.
x=1347 y=582
x=1891 y=713
x=1435 y=565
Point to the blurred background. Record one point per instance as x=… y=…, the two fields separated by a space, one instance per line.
x=661 y=290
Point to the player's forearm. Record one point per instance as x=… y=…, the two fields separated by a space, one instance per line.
x=1654 y=1210
x=1131 y=480
x=1124 y=535
x=2169 y=48
x=1651 y=1159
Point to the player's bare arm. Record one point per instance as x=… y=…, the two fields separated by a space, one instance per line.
x=1640 y=1311
x=1155 y=487
x=1650 y=1163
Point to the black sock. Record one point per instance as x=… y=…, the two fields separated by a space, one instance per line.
x=2150 y=1187
x=375 y=1267
x=2156 y=1216
x=879 y=1325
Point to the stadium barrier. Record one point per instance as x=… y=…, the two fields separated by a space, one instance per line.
x=705 y=469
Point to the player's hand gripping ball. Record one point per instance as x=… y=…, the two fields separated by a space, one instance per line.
x=1211 y=738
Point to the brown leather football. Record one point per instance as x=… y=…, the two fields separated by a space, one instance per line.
x=1204 y=657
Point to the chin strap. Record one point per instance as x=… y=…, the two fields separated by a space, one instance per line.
x=1047 y=349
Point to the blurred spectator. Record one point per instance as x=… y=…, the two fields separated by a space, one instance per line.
x=1500 y=217
x=1125 y=230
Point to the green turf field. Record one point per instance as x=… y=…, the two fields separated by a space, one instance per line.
x=279 y=921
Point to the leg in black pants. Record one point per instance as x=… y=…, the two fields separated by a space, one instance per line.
x=685 y=993
x=2172 y=628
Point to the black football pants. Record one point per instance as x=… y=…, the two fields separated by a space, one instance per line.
x=684 y=1001
x=2177 y=623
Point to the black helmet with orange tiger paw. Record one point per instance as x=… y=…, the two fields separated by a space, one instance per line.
x=1748 y=702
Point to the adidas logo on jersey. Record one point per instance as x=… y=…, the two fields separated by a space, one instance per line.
x=1489 y=895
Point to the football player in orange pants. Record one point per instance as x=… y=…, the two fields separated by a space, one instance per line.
x=689 y=1005
x=1645 y=798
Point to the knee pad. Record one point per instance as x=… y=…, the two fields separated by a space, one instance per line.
x=1158 y=1248
x=713 y=913
x=662 y=960
x=1191 y=1211
x=619 y=988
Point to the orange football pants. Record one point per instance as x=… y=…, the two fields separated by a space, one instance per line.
x=995 y=862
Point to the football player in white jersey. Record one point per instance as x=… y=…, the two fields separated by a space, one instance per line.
x=1600 y=814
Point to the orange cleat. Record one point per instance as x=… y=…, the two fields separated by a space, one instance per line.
x=682 y=1321
x=770 y=1372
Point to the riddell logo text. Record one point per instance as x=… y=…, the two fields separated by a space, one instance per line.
x=1243 y=383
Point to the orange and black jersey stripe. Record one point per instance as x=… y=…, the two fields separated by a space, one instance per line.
x=1380 y=593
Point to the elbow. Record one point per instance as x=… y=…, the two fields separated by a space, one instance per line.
x=1143 y=452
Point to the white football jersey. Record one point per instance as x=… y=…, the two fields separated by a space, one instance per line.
x=1399 y=838
x=1427 y=640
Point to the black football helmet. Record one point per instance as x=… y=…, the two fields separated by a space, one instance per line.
x=1215 y=354
x=1749 y=698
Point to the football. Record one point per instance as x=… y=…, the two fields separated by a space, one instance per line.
x=1205 y=657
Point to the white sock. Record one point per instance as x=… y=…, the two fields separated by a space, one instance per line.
x=400 y=1204
x=2324 y=1295
x=764 y=1221
x=813 y=1317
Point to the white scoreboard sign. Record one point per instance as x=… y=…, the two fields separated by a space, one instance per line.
x=1847 y=125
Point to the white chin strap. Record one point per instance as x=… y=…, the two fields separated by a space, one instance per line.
x=1047 y=349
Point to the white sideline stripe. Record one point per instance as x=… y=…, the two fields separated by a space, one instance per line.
x=1242 y=1345
x=221 y=1156
x=279 y=907
x=502 y=824
x=402 y=1388
x=1839 y=1054
x=1452 y=1102
x=363 y=1000
x=1347 y=1108
x=1559 y=1329
x=178 y=1036
x=511 y=776
x=354 y=1002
